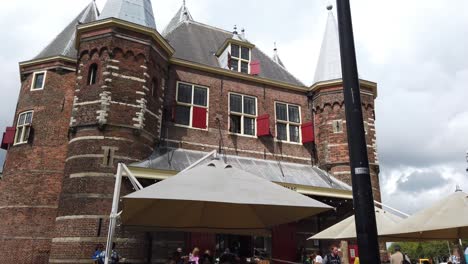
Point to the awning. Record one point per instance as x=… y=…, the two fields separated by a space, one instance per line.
x=216 y=197
x=346 y=229
x=445 y=220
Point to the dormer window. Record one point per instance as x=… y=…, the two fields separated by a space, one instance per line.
x=240 y=58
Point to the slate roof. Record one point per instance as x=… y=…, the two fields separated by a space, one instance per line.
x=64 y=43
x=178 y=159
x=135 y=11
x=329 y=63
x=197 y=42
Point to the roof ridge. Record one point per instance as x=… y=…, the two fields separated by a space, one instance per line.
x=62 y=44
x=284 y=68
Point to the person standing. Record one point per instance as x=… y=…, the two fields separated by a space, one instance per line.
x=206 y=258
x=318 y=258
x=194 y=256
x=333 y=257
x=97 y=253
x=397 y=257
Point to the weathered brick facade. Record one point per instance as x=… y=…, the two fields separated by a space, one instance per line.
x=332 y=143
x=56 y=191
x=33 y=175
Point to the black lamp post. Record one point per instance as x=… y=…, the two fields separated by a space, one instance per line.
x=366 y=227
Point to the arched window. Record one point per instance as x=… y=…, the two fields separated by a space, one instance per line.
x=92 y=74
x=154 y=88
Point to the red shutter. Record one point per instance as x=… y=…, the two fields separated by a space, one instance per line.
x=255 y=67
x=8 y=137
x=263 y=125
x=199 y=117
x=284 y=242
x=203 y=241
x=308 y=132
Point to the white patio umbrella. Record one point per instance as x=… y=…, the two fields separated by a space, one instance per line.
x=346 y=229
x=445 y=220
x=216 y=198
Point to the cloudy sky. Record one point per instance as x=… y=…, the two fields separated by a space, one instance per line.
x=415 y=50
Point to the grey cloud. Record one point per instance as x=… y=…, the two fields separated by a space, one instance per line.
x=421 y=181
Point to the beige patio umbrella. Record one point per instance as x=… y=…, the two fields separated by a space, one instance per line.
x=445 y=220
x=346 y=229
x=216 y=198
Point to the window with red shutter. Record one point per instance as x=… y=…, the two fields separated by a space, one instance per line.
x=263 y=125
x=308 y=132
x=191 y=105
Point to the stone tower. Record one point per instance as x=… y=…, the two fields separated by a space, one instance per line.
x=116 y=117
x=329 y=112
x=34 y=169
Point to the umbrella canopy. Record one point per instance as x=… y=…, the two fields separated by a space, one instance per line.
x=445 y=220
x=346 y=229
x=216 y=198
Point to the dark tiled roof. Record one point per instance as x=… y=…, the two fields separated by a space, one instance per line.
x=64 y=43
x=198 y=43
x=178 y=159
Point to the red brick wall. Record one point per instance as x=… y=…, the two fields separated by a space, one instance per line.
x=33 y=172
x=219 y=89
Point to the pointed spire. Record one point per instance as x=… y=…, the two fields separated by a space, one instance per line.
x=135 y=11
x=276 y=57
x=183 y=15
x=63 y=44
x=329 y=63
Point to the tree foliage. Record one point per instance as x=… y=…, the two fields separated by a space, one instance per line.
x=430 y=250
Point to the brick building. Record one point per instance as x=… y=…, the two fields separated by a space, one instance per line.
x=110 y=88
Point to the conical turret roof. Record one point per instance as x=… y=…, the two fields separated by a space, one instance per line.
x=135 y=11
x=329 y=63
x=64 y=43
x=181 y=16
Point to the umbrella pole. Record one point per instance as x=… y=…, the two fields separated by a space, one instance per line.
x=113 y=215
x=461 y=252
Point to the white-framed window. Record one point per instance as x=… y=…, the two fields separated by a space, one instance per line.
x=242 y=114
x=23 y=127
x=240 y=58
x=288 y=122
x=38 y=80
x=191 y=108
x=337 y=126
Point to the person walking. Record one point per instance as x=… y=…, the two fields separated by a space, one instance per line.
x=333 y=257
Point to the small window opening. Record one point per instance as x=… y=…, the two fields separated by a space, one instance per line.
x=337 y=126
x=154 y=88
x=92 y=75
